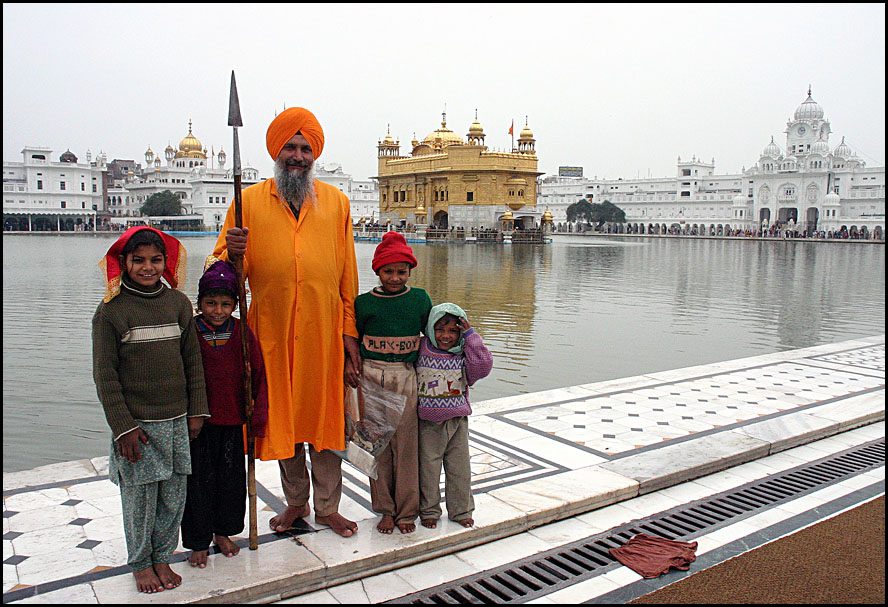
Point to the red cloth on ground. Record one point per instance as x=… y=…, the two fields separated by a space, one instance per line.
x=651 y=556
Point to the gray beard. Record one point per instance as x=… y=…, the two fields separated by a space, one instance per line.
x=292 y=187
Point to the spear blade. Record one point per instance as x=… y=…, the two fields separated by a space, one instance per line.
x=234 y=120
x=234 y=114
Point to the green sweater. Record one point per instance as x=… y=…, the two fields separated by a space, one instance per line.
x=146 y=359
x=389 y=325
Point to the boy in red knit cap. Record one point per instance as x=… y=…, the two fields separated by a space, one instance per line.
x=389 y=319
x=217 y=493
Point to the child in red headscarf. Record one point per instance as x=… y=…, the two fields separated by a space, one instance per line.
x=150 y=381
x=217 y=493
x=389 y=319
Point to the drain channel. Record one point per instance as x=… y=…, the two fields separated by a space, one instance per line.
x=546 y=572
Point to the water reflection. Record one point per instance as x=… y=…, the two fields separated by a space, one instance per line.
x=576 y=311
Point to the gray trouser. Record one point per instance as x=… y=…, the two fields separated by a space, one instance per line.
x=447 y=443
x=326 y=479
x=395 y=491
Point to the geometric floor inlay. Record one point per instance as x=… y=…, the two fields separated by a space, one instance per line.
x=867 y=358
x=618 y=423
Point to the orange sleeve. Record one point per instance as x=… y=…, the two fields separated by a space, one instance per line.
x=348 y=286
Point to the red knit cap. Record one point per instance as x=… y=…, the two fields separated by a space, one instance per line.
x=393 y=249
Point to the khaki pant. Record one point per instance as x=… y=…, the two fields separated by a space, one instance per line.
x=446 y=443
x=395 y=491
x=326 y=479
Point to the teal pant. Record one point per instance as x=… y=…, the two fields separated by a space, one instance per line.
x=152 y=514
x=152 y=492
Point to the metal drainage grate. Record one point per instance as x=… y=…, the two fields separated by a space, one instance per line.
x=546 y=572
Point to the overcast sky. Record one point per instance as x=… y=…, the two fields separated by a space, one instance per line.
x=620 y=90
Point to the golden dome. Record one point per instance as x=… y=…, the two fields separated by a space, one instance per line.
x=547 y=215
x=475 y=128
x=190 y=146
x=507 y=216
x=442 y=137
x=526 y=133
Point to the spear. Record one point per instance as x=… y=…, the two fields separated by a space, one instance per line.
x=234 y=120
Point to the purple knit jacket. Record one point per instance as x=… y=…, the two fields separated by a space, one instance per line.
x=443 y=378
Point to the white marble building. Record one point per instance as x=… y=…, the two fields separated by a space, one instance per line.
x=362 y=194
x=205 y=190
x=42 y=194
x=810 y=183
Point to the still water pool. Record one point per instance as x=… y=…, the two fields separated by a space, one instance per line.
x=579 y=310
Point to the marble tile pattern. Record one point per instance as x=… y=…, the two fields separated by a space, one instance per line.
x=535 y=458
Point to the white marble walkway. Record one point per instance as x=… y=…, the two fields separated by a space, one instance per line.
x=536 y=458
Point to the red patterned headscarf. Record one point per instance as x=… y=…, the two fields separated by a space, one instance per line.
x=174 y=269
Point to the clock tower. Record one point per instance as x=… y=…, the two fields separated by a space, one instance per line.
x=806 y=127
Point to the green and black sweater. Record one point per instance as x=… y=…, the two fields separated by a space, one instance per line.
x=146 y=358
x=389 y=325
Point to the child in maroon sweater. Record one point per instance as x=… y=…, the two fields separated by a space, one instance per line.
x=216 y=502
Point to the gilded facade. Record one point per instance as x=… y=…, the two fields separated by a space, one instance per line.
x=451 y=181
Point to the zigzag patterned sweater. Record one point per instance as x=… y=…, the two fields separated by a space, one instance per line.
x=443 y=379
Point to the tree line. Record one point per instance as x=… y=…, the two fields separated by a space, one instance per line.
x=595 y=213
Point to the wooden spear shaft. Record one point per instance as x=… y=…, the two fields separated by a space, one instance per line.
x=234 y=120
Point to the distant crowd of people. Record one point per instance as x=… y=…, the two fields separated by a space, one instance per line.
x=775 y=230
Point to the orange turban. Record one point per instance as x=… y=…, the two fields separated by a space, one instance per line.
x=289 y=122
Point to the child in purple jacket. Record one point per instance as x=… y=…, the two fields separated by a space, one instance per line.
x=452 y=357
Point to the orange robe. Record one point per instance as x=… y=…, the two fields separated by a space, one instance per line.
x=303 y=278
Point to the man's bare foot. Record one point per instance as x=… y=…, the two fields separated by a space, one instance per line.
x=147 y=580
x=284 y=521
x=406 y=526
x=467 y=522
x=198 y=558
x=431 y=523
x=226 y=546
x=386 y=525
x=168 y=577
x=339 y=524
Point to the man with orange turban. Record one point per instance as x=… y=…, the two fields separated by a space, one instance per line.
x=300 y=267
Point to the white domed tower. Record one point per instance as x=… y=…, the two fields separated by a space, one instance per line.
x=842 y=150
x=769 y=161
x=818 y=158
x=806 y=127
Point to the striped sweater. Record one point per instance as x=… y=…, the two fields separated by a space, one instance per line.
x=443 y=379
x=146 y=359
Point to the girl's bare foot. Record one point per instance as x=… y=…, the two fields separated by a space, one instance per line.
x=226 y=546
x=147 y=580
x=283 y=521
x=467 y=522
x=386 y=525
x=168 y=577
x=198 y=558
x=339 y=524
x=431 y=523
